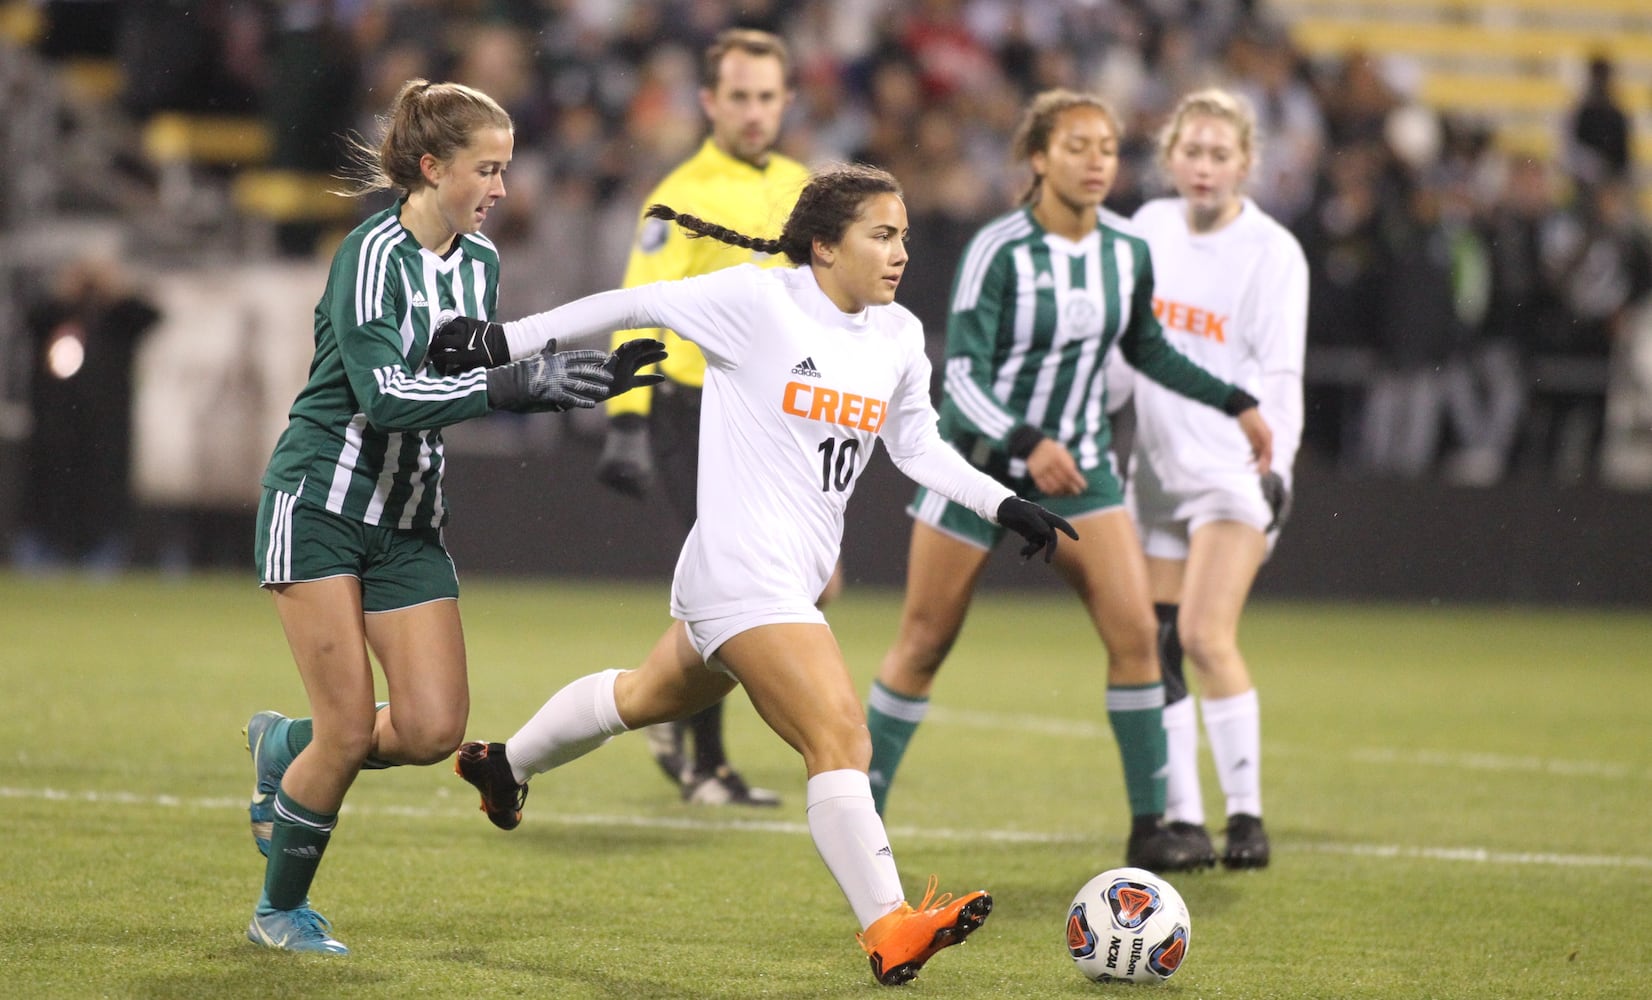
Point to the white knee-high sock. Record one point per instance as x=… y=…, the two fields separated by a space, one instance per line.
x=578 y=719
x=849 y=834
x=1183 y=799
x=1234 y=726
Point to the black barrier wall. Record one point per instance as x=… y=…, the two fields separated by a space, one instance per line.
x=1348 y=539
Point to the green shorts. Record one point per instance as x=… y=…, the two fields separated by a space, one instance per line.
x=1104 y=492
x=297 y=542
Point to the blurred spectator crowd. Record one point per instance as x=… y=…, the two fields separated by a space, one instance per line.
x=1466 y=297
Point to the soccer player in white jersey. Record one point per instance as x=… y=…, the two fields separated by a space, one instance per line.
x=1232 y=295
x=1041 y=296
x=807 y=368
x=350 y=522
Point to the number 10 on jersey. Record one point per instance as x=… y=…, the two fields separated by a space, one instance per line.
x=837 y=463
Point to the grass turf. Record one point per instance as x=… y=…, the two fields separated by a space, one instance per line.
x=1457 y=799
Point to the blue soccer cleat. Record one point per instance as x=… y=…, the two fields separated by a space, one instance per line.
x=266 y=734
x=302 y=929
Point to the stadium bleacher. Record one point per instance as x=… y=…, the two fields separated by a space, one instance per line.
x=1517 y=65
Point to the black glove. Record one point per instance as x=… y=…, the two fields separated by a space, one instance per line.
x=549 y=381
x=1278 y=498
x=627 y=463
x=1037 y=525
x=461 y=343
x=628 y=358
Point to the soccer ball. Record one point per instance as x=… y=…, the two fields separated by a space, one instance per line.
x=1128 y=924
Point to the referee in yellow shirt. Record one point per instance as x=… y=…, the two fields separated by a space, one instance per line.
x=736 y=180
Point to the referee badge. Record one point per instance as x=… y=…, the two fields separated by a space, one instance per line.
x=653 y=235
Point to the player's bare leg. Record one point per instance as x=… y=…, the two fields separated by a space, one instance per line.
x=799 y=684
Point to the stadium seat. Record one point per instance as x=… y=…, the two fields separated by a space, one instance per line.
x=183 y=146
x=1467 y=41
x=283 y=196
x=270 y=198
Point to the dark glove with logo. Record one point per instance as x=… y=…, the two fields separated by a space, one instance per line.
x=549 y=381
x=1278 y=497
x=627 y=463
x=461 y=343
x=630 y=357
x=1037 y=525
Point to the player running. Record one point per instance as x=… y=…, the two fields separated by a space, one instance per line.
x=808 y=367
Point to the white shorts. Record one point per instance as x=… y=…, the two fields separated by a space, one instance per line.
x=1166 y=518
x=707 y=635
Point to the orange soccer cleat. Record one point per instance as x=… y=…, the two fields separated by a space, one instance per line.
x=485 y=767
x=902 y=940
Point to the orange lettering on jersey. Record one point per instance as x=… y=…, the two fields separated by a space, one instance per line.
x=850 y=414
x=873 y=418
x=825 y=405
x=1191 y=319
x=788 y=399
x=814 y=402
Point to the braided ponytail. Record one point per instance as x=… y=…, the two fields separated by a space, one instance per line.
x=698 y=227
x=828 y=204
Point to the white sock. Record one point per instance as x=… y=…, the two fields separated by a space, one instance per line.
x=1183 y=799
x=849 y=834
x=1234 y=727
x=578 y=719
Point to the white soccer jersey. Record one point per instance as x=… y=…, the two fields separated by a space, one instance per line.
x=1236 y=303
x=796 y=393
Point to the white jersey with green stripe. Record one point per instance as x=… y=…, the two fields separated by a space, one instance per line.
x=363 y=438
x=1033 y=316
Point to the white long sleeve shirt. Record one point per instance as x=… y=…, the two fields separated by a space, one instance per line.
x=1236 y=303
x=796 y=394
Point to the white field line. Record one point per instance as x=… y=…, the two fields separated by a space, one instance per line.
x=1047 y=725
x=1475 y=855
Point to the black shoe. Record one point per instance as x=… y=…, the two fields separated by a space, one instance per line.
x=1196 y=835
x=1247 y=842
x=484 y=765
x=1159 y=849
x=665 y=742
x=725 y=787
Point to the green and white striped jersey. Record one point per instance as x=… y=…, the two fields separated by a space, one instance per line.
x=363 y=438
x=1033 y=317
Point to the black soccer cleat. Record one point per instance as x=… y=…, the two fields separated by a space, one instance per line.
x=725 y=787
x=1247 y=845
x=484 y=765
x=665 y=744
x=1198 y=837
x=1159 y=849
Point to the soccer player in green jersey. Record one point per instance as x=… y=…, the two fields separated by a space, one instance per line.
x=349 y=536
x=1040 y=297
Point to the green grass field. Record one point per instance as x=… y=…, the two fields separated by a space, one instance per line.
x=1460 y=801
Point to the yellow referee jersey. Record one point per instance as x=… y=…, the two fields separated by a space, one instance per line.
x=718 y=188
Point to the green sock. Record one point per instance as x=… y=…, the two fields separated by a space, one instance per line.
x=296 y=845
x=1137 y=715
x=892 y=718
x=299 y=734
x=301 y=731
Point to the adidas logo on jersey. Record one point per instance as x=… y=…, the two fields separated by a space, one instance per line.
x=806 y=368
x=1044 y=280
x=418 y=299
